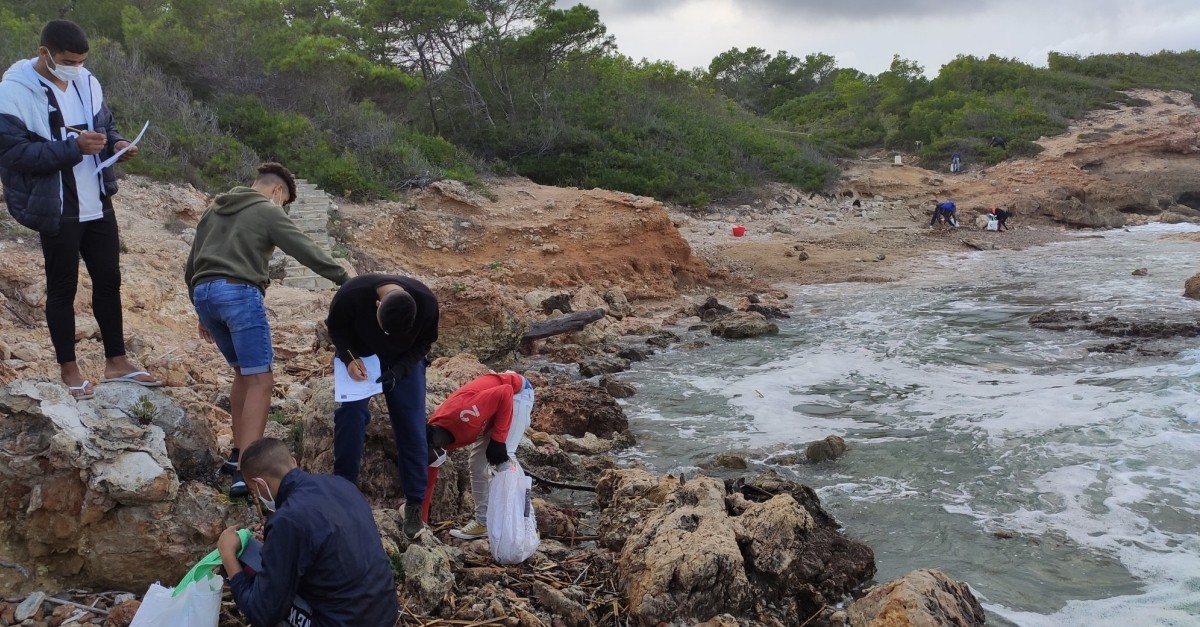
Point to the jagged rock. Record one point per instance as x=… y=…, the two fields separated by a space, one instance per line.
x=86 y=328
x=78 y=482
x=428 y=577
x=447 y=374
x=559 y=302
x=1059 y=319
x=743 y=324
x=634 y=354
x=27 y=351
x=1191 y=289
x=378 y=478
x=616 y=387
x=576 y=409
x=122 y=613
x=662 y=339
x=832 y=447
x=709 y=310
x=602 y=365
x=478 y=317
x=616 y=303
x=626 y=497
x=589 y=444
x=920 y=598
x=573 y=614
x=190 y=443
x=552 y=521
x=684 y=563
x=730 y=460
x=1141 y=272
x=587 y=298
x=769 y=311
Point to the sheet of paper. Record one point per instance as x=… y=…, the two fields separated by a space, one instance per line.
x=346 y=390
x=113 y=159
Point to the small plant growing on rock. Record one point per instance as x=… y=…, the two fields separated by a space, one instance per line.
x=495 y=265
x=458 y=287
x=397 y=567
x=144 y=410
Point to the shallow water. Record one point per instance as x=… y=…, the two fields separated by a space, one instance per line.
x=963 y=420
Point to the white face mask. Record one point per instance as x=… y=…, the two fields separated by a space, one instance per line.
x=441 y=458
x=268 y=502
x=66 y=73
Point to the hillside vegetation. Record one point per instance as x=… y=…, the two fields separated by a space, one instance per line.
x=369 y=97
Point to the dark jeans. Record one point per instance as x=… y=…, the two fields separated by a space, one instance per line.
x=98 y=242
x=406 y=408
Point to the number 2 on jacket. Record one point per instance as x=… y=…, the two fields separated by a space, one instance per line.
x=466 y=414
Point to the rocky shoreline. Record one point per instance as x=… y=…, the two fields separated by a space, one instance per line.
x=103 y=497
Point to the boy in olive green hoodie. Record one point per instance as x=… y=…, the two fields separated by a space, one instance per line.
x=227 y=277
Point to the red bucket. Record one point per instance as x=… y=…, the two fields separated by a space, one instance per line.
x=739 y=231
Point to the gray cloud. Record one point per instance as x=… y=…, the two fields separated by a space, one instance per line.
x=847 y=9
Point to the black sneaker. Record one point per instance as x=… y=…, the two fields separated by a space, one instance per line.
x=231 y=465
x=238 y=489
x=412 y=521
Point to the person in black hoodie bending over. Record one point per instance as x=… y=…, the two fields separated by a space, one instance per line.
x=395 y=318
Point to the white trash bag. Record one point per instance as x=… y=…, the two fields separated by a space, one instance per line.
x=512 y=529
x=195 y=602
x=198 y=604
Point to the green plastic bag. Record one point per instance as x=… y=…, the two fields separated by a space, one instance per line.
x=205 y=568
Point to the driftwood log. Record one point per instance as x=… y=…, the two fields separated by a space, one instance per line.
x=565 y=324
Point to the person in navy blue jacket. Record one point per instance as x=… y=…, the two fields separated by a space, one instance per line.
x=320 y=544
x=55 y=130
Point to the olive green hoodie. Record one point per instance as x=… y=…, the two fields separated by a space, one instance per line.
x=238 y=233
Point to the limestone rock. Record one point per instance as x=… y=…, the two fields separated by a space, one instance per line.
x=920 y=598
x=191 y=445
x=378 y=478
x=616 y=303
x=832 y=447
x=1191 y=289
x=27 y=351
x=616 y=387
x=578 y=408
x=730 y=460
x=743 y=324
x=428 y=577
x=626 y=497
x=708 y=311
x=587 y=298
x=589 y=444
x=86 y=328
x=604 y=364
x=479 y=318
x=92 y=496
x=683 y=562
x=447 y=374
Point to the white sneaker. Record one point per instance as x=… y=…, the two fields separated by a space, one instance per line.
x=473 y=531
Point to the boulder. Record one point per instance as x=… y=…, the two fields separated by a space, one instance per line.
x=1191 y=289
x=378 y=478
x=557 y=302
x=428 y=577
x=709 y=310
x=92 y=497
x=447 y=374
x=589 y=444
x=587 y=298
x=616 y=387
x=27 y=351
x=743 y=324
x=832 y=447
x=1141 y=272
x=578 y=408
x=692 y=551
x=729 y=460
x=191 y=445
x=616 y=303
x=604 y=364
x=683 y=563
x=478 y=317
x=920 y=598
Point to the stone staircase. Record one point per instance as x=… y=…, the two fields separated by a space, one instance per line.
x=310 y=212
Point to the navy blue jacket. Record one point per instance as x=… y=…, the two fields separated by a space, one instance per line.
x=321 y=544
x=31 y=161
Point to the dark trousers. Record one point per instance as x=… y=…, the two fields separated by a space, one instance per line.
x=406 y=407
x=98 y=242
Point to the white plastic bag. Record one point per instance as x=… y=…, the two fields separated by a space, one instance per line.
x=197 y=605
x=512 y=529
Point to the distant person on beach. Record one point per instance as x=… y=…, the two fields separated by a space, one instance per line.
x=396 y=319
x=320 y=544
x=55 y=130
x=227 y=278
x=956 y=163
x=944 y=211
x=490 y=414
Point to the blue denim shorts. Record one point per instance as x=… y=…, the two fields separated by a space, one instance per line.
x=236 y=318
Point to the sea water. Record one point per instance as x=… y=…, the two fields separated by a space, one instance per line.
x=1061 y=484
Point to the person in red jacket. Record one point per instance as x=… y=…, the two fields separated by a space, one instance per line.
x=489 y=414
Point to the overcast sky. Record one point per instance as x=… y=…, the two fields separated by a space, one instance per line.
x=864 y=34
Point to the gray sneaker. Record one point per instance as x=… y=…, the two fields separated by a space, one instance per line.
x=412 y=521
